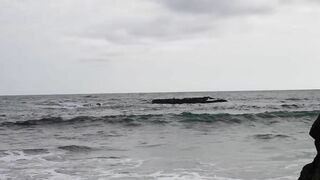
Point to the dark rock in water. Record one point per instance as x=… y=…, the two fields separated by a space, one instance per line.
x=99 y=104
x=188 y=100
x=312 y=171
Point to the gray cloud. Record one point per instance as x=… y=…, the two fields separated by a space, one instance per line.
x=154 y=45
x=164 y=21
x=219 y=7
x=146 y=31
x=178 y=19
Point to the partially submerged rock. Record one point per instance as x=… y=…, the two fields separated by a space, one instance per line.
x=312 y=171
x=192 y=100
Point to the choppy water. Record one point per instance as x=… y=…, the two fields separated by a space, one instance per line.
x=256 y=135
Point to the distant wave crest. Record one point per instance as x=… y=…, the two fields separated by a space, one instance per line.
x=185 y=117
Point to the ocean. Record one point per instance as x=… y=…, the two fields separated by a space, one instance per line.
x=256 y=135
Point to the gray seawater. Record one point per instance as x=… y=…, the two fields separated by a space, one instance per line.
x=255 y=136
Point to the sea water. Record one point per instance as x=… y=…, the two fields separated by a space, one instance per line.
x=260 y=135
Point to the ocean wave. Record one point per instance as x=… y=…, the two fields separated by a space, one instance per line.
x=76 y=148
x=131 y=120
x=290 y=106
x=270 y=136
x=35 y=151
x=185 y=117
x=296 y=99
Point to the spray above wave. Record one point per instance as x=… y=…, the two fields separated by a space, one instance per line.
x=185 y=117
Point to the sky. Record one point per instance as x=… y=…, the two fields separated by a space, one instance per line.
x=119 y=46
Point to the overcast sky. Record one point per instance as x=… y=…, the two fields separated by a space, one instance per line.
x=105 y=46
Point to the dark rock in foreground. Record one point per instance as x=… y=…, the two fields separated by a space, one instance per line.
x=312 y=171
x=193 y=100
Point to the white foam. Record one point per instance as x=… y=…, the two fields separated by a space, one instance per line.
x=15 y=155
x=17 y=164
x=59 y=176
x=290 y=166
x=4 y=176
x=160 y=175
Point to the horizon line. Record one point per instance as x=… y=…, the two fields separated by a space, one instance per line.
x=155 y=92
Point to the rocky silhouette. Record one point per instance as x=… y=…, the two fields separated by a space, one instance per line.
x=312 y=171
x=192 y=100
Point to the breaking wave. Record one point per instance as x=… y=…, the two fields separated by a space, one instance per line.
x=185 y=117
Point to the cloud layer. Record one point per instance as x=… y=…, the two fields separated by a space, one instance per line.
x=220 y=7
x=51 y=46
x=178 y=19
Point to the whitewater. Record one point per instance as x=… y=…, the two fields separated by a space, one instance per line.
x=256 y=135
